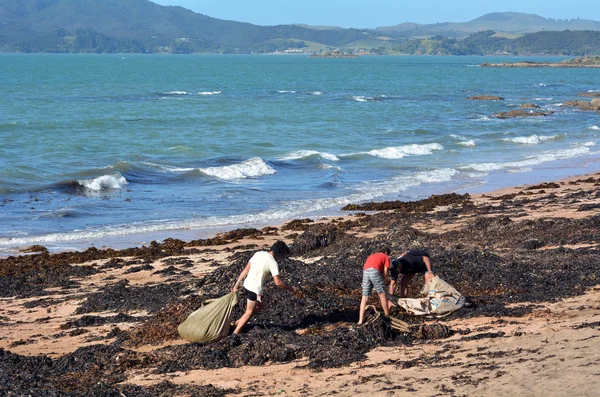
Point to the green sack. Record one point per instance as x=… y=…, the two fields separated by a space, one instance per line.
x=210 y=322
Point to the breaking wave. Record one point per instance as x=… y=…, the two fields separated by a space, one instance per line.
x=398 y=152
x=531 y=140
x=300 y=154
x=250 y=168
x=104 y=182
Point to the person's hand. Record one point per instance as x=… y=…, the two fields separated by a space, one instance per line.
x=429 y=276
x=235 y=288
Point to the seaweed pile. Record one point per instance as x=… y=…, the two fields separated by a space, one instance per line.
x=424 y=205
x=493 y=259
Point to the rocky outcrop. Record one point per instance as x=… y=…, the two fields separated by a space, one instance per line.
x=485 y=98
x=582 y=62
x=590 y=94
x=519 y=113
x=593 y=106
x=529 y=106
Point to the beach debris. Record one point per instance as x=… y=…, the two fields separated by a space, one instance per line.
x=490 y=256
x=425 y=205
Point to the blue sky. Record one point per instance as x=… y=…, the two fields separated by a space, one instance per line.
x=375 y=13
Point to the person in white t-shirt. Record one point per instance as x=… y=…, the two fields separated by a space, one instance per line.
x=262 y=265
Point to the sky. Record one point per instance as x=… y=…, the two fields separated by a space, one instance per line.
x=376 y=13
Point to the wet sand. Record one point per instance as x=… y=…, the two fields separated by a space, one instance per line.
x=527 y=259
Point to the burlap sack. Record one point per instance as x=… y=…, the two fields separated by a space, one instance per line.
x=211 y=321
x=438 y=300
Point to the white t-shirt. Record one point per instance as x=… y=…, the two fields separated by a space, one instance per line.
x=262 y=265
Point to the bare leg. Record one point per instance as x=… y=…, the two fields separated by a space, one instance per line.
x=239 y=324
x=404 y=284
x=384 y=303
x=363 y=307
x=392 y=287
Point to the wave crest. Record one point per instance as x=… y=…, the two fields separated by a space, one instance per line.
x=250 y=168
x=530 y=140
x=398 y=152
x=104 y=182
x=300 y=154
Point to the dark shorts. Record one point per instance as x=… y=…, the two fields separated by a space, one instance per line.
x=251 y=296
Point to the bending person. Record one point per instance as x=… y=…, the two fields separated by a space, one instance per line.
x=374 y=272
x=408 y=264
x=262 y=265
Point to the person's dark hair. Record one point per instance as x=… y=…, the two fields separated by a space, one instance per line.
x=384 y=248
x=280 y=249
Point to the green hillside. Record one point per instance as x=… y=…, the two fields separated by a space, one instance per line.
x=141 y=26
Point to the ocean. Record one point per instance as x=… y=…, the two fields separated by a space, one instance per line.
x=119 y=150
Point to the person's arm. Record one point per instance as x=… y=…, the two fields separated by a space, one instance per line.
x=242 y=276
x=428 y=264
x=280 y=284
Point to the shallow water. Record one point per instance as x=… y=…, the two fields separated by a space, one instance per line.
x=118 y=150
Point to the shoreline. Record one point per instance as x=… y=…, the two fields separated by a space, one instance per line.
x=497 y=181
x=527 y=258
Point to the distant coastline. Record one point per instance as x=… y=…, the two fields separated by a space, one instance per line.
x=581 y=62
x=334 y=54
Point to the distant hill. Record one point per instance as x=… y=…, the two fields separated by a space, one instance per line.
x=570 y=43
x=141 y=26
x=56 y=25
x=508 y=22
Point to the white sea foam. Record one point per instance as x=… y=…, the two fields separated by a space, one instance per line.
x=326 y=166
x=209 y=93
x=315 y=93
x=104 y=182
x=286 y=92
x=169 y=168
x=530 y=140
x=588 y=144
x=398 y=152
x=530 y=161
x=594 y=127
x=542 y=99
x=250 y=168
x=469 y=143
x=176 y=93
x=300 y=154
x=360 y=98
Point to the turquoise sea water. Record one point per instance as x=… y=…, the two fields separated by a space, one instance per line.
x=118 y=150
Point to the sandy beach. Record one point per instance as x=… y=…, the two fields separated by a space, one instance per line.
x=527 y=258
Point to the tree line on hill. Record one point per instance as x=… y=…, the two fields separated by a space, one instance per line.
x=568 y=43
